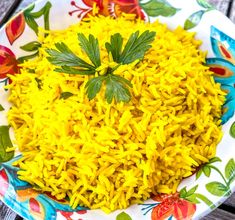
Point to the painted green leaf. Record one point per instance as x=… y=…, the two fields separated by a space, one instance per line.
x=27 y=57
x=65 y=95
x=230 y=171
x=31 y=16
x=232 y=130
x=5 y=142
x=30 y=8
x=216 y=188
x=206 y=170
x=199 y=173
x=204 y=4
x=214 y=159
x=32 y=46
x=205 y=200
x=31 y=22
x=183 y=192
x=123 y=216
x=43 y=11
x=193 y=199
x=1 y=108
x=46 y=15
x=193 y=20
x=158 y=7
x=192 y=191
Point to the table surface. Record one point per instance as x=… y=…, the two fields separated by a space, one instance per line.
x=226 y=211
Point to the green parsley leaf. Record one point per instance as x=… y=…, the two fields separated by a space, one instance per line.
x=93 y=86
x=115 y=46
x=71 y=70
x=122 y=80
x=63 y=56
x=91 y=48
x=136 y=46
x=39 y=82
x=65 y=95
x=117 y=88
x=134 y=49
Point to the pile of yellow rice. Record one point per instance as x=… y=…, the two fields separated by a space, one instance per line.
x=110 y=156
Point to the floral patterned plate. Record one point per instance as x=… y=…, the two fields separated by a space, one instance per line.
x=197 y=195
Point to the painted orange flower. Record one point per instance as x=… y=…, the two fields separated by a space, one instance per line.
x=128 y=7
x=172 y=205
x=102 y=5
x=8 y=62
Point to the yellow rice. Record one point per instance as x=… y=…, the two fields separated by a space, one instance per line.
x=110 y=156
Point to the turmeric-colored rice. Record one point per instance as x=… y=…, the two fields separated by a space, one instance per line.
x=110 y=156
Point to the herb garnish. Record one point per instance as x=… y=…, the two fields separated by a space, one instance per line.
x=65 y=95
x=116 y=86
x=39 y=82
x=134 y=49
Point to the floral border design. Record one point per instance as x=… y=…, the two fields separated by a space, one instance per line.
x=114 y=8
x=223 y=66
x=14 y=29
x=194 y=19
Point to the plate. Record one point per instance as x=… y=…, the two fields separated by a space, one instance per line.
x=197 y=195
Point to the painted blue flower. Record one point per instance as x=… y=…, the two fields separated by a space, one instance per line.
x=223 y=66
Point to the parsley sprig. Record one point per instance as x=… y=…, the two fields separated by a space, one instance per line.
x=117 y=87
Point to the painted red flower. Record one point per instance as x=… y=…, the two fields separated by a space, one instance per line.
x=108 y=7
x=8 y=62
x=4 y=182
x=34 y=205
x=68 y=215
x=172 y=205
x=15 y=28
x=36 y=209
